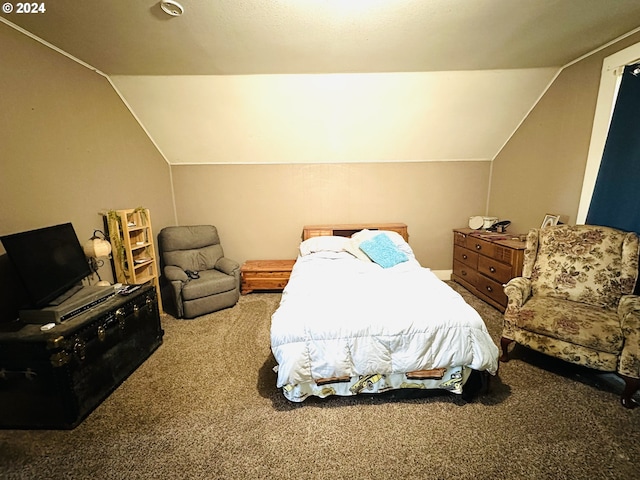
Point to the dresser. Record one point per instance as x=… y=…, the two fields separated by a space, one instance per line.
x=484 y=261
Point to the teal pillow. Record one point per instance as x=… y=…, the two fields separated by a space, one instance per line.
x=383 y=251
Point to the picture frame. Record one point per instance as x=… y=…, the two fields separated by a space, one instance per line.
x=550 y=220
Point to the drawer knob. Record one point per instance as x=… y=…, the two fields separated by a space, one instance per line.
x=464 y=273
x=478 y=246
x=489 y=289
x=464 y=257
x=492 y=269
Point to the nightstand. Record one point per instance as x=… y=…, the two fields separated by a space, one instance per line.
x=265 y=275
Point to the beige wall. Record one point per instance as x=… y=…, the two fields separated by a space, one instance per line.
x=69 y=147
x=260 y=209
x=540 y=170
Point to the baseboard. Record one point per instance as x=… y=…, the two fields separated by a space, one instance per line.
x=443 y=274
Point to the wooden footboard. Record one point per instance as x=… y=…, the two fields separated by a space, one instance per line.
x=451 y=379
x=325 y=381
x=434 y=373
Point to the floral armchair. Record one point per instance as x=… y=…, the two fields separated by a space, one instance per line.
x=574 y=300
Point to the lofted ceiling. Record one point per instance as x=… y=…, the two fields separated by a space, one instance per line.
x=304 y=81
x=237 y=37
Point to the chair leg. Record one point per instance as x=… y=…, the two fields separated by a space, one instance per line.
x=631 y=386
x=504 y=345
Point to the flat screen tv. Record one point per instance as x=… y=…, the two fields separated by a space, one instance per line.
x=49 y=261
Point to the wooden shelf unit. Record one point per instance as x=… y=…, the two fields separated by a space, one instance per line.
x=130 y=231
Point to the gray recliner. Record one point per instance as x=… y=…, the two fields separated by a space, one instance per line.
x=202 y=279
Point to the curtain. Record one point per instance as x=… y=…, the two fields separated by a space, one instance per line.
x=616 y=196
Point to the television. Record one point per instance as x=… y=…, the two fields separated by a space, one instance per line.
x=49 y=261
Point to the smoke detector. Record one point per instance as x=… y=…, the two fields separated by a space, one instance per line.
x=172 y=8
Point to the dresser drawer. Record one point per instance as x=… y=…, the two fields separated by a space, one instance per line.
x=491 y=289
x=465 y=256
x=507 y=255
x=460 y=239
x=465 y=272
x=266 y=280
x=481 y=246
x=492 y=268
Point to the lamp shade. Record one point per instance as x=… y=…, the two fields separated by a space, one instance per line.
x=96 y=247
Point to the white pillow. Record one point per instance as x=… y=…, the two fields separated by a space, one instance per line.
x=353 y=247
x=326 y=243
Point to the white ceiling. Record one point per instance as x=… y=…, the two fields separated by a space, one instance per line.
x=235 y=37
x=369 y=117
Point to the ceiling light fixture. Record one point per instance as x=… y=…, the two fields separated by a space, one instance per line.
x=172 y=7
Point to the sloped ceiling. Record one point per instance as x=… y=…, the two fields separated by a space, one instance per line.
x=333 y=118
x=330 y=80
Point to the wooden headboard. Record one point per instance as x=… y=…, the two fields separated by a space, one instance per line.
x=346 y=230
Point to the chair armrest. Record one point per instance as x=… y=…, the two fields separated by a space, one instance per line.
x=175 y=274
x=228 y=266
x=518 y=290
x=629 y=313
x=177 y=279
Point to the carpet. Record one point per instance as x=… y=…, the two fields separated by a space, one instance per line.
x=205 y=406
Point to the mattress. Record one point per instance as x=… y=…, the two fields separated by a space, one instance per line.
x=344 y=318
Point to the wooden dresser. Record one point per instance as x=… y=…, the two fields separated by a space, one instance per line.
x=484 y=261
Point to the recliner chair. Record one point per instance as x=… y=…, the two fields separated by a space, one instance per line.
x=574 y=300
x=212 y=282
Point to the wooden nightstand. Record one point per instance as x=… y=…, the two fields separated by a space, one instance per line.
x=265 y=275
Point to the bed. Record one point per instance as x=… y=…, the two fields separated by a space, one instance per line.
x=360 y=315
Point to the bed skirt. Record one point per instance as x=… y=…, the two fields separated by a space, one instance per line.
x=451 y=379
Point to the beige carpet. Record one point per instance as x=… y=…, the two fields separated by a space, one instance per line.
x=204 y=406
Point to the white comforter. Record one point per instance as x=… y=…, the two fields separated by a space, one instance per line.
x=340 y=316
